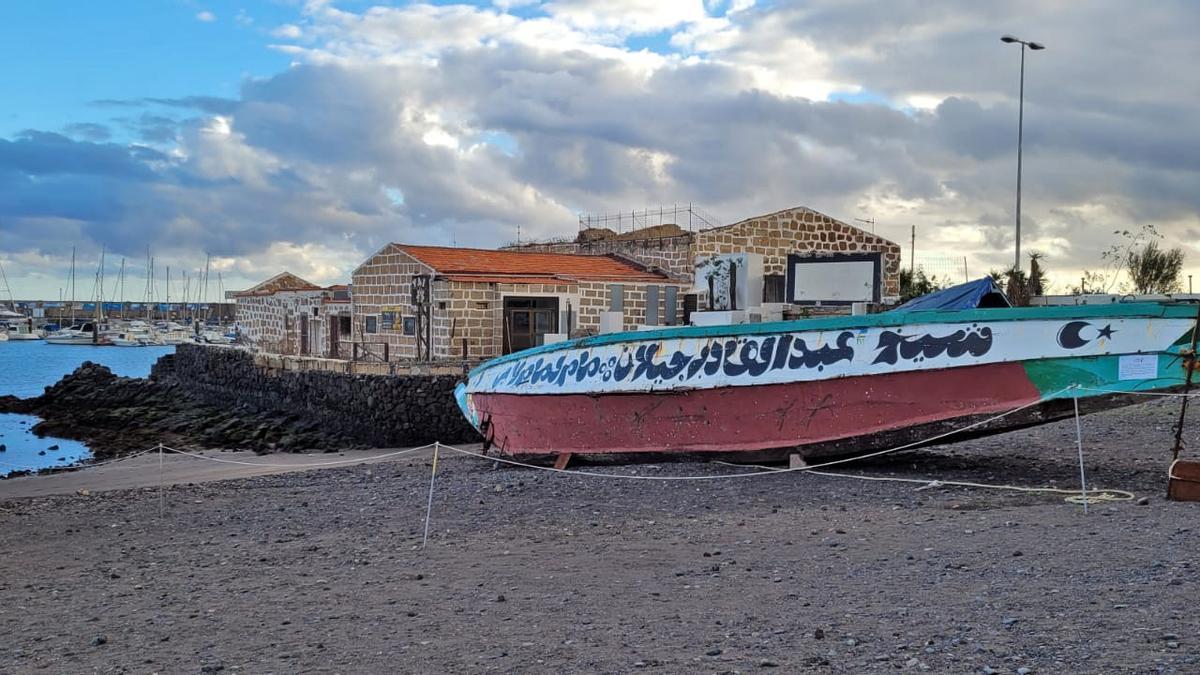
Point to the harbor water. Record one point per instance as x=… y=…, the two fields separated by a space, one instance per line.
x=27 y=368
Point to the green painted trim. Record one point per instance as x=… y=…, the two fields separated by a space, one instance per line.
x=1118 y=310
x=1051 y=376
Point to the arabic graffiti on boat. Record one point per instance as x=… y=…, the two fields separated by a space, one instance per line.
x=740 y=357
x=894 y=346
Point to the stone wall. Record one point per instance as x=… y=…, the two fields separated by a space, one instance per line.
x=797 y=230
x=384 y=284
x=804 y=232
x=375 y=410
x=276 y=322
x=594 y=298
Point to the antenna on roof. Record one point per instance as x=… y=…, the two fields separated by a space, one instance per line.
x=868 y=221
x=518 y=235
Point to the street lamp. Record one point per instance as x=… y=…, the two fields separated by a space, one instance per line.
x=1008 y=39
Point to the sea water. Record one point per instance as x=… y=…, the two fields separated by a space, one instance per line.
x=27 y=368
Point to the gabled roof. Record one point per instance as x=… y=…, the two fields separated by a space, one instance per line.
x=284 y=281
x=475 y=264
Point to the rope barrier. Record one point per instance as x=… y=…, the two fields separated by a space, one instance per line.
x=1074 y=496
x=356 y=460
x=1140 y=393
x=81 y=464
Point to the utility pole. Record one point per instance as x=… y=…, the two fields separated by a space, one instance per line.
x=912 y=257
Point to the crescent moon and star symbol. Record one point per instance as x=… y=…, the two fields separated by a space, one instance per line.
x=1070 y=336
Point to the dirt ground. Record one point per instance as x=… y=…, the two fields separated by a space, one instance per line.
x=528 y=571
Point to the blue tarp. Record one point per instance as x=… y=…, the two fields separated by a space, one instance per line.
x=979 y=293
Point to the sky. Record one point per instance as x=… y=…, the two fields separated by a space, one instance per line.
x=304 y=135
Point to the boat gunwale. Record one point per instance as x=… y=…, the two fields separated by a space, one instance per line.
x=883 y=319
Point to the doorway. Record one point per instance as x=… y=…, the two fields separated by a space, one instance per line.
x=527 y=321
x=304 y=335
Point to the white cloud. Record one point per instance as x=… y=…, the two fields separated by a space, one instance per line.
x=206 y=16
x=288 y=31
x=431 y=123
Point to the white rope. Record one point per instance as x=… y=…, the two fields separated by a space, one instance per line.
x=1094 y=496
x=844 y=460
x=1139 y=393
x=81 y=463
x=355 y=460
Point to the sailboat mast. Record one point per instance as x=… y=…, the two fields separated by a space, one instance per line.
x=207 y=260
x=11 y=302
x=120 y=290
x=72 y=284
x=150 y=294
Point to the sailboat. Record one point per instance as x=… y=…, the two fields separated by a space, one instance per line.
x=18 y=329
x=87 y=333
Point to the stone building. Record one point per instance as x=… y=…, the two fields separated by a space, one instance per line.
x=288 y=315
x=430 y=302
x=798 y=233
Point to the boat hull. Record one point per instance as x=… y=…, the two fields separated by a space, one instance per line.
x=822 y=389
x=72 y=340
x=812 y=419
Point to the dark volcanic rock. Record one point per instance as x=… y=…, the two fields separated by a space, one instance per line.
x=204 y=397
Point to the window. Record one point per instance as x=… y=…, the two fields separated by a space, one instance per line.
x=387 y=321
x=410 y=325
x=372 y=324
x=442 y=305
x=344 y=325
x=315 y=311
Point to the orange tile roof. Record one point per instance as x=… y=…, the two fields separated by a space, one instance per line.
x=460 y=262
x=506 y=279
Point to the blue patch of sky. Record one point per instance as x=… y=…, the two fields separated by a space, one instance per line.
x=57 y=58
x=861 y=96
x=659 y=43
x=501 y=140
x=394 y=195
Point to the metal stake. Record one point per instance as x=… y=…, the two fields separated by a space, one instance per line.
x=1079 y=445
x=160 y=480
x=429 y=505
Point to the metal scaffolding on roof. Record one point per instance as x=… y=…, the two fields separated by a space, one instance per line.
x=686 y=216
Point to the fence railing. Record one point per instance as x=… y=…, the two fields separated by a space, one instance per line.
x=370 y=352
x=686 y=216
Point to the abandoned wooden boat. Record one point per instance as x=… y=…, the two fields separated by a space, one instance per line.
x=824 y=387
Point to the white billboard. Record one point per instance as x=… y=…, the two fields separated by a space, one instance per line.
x=837 y=279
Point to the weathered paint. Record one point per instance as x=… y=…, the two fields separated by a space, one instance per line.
x=885 y=319
x=833 y=380
x=794 y=356
x=747 y=418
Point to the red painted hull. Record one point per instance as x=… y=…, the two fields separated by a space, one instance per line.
x=753 y=418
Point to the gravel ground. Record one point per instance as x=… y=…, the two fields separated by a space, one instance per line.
x=527 y=571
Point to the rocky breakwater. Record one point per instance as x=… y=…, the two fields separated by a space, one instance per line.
x=393 y=410
x=120 y=415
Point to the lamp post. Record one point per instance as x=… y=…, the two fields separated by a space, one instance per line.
x=1035 y=46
